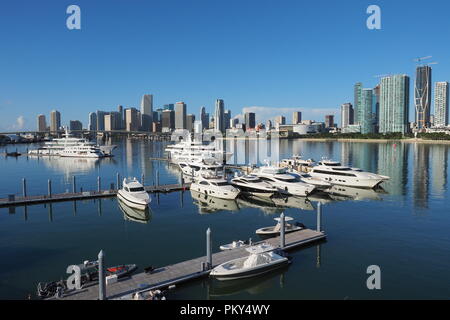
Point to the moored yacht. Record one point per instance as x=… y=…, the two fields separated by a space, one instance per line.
x=335 y=173
x=199 y=167
x=275 y=230
x=133 y=194
x=255 y=186
x=215 y=186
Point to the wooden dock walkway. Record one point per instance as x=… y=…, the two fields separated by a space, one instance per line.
x=86 y=195
x=186 y=270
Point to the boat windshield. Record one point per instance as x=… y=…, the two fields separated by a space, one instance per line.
x=137 y=189
x=220 y=184
x=342 y=169
x=288 y=179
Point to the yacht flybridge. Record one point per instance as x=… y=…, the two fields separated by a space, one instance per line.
x=285 y=182
x=133 y=194
x=262 y=259
x=334 y=173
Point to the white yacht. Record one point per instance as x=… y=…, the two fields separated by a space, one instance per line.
x=234 y=245
x=275 y=230
x=133 y=194
x=307 y=178
x=334 y=173
x=197 y=168
x=262 y=259
x=194 y=149
x=215 y=186
x=285 y=182
x=297 y=163
x=253 y=185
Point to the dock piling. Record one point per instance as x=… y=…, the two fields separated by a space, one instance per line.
x=157 y=178
x=142 y=179
x=282 y=231
x=24 y=187
x=319 y=216
x=101 y=276
x=99 y=184
x=74 y=184
x=118 y=180
x=49 y=188
x=208 y=249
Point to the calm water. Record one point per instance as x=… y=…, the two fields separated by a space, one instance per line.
x=404 y=230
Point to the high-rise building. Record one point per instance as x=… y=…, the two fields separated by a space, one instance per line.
x=167 y=120
x=169 y=106
x=190 y=119
x=227 y=118
x=234 y=122
x=365 y=111
x=394 y=104
x=92 y=121
x=131 y=119
x=296 y=117
x=357 y=103
x=180 y=115
x=268 y=125
x=75 y=125
x=441 y=104
x=121 y=118
x=346 y=115
x=376 y=108
x=280 y=120
x=112 y=121
x=250 y=120
x=219 y=117
x=55 y=121
x=422 y=96
x=329 y=121
x=41 y=123
x=204 y=118
x=146 y=112
x=101 y=120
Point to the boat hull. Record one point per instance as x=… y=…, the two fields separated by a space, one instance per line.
x=132 y=202
x=253 y=272
x=221 y=194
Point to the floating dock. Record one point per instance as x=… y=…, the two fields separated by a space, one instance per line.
x=86 y=195
x=185 y=271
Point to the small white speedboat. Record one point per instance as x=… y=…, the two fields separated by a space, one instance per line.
x=133 y=194
x=275 y=230
x=234 y=245
x=262 y=259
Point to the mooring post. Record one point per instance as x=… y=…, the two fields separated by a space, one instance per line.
x=98 y=184
x=208 y=249
x=49 y=188
x=157 y=178
x=118 y=180
x=101 y=276
x=282 y=233
x=74 y=184
x=319 y=215
x=24 y=187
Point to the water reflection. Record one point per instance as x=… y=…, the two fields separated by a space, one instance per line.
x=341 y=193
x=421 y=175
x=69 y=166
x=439 y=163
x=208 y=204
x=135 y=215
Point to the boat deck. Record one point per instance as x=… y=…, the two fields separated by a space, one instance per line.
x=186 y=270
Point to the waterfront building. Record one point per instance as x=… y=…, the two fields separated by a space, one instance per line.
x=422 y=96
x=168 y=120
x=329 y=121
x=131 y=119
x=250 y=120
x=121 y=117
x=394 y=104
x=365 y=111
x=190 y=119
x=204 y=118
x=55 y=121
x=296 y=117
x=227 y=118
x=234 y=122
x=441 y=104
x=112 y=121
x=180 y=115
x=156 y=126
x=101 y=120
x=147 y=112
x=352 y=128
x=169 y=106
x=41 y=123
x=198 y=128
x=92 y=121
x=219 y=116
x=357 y=102
x=376 y=108
x=346 y=115
x=75 y=125
x=280 y=120
x=268 y=125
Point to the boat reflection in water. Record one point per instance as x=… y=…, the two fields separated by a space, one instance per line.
x=252 y=286
x=208 y=204
x=341 y=193
x=135 y=215
x=265 y=204
x=301 y=203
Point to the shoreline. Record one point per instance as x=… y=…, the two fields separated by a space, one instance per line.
x=412 y=140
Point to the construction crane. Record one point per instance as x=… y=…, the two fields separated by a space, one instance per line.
x=419 y=61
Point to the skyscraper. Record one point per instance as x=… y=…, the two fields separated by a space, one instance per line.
x=297 y=117
x=250 y=121
x=167 y=120
x=55 y=120
x=41 y=123
x=357 y=103
x=346 y=115
x=131 y=119
x=147 y=112
x=441 y=104
x=329 y=121
x=190 y=119
x=226 y=119
x=180 y=115
x=92 y=121
x=121 y=118
x=394 y=104
x=422 y=96
x=75 y=125
x=101 y=120
x=280 y=120
x=204 y=118
x=376 y=108
x=219 y=118
x=365 y=111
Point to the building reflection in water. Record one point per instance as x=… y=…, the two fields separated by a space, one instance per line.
x=439 y=171
x=71 y=166
x=421 y=175
x=393 y=162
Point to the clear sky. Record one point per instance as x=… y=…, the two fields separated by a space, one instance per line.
x=274 y=55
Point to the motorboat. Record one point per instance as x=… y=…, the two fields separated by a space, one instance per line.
x=210 y=204
x=337 y=174
x=307 y=178
x=234 y=245
x=275 y=230
x=253 y=185
x=298 y=163
x=199 y=167
x=285 y=182
x=133 y=194
x=215 y=186
x=191 y=149
x=132 y=214
x=262 y=259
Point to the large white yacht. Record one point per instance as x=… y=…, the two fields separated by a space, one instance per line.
x=193 y=150
x=253 y=185
x=285 y=182
x=215 y=186
x=335 y=173
x=133 y=194
x=198 y=167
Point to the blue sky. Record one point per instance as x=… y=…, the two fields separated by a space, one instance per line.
x=274 y=55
